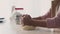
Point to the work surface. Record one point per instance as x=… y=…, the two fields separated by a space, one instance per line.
x=39 y=30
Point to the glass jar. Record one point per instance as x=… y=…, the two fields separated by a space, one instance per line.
x=16 y=15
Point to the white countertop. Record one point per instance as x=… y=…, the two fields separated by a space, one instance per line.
x=11 y=28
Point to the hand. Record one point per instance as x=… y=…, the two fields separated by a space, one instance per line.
x=26 y=19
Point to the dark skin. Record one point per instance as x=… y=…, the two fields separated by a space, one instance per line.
x=27 y=20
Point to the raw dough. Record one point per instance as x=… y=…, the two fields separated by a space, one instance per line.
x=26 y=27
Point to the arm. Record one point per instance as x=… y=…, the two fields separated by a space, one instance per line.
x=49 y=23
x=40 y=23
x=27 y=20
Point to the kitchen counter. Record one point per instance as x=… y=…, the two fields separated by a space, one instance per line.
x=39 y=30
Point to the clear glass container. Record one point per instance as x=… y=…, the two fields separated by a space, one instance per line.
x=18 y=15
x=15 y=19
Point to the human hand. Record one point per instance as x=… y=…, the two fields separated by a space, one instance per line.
x=26 y=19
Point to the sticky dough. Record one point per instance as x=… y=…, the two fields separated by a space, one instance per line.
x=26 y=27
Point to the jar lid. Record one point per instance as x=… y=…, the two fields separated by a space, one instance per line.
x=18 y=8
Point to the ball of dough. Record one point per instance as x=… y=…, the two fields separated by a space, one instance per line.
x=26 y=27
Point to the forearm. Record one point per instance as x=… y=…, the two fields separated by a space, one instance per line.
x=40 y=23
x=38 y=18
